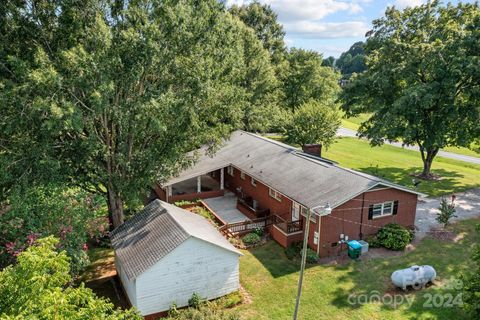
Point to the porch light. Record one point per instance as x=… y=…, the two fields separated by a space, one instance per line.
x=321 y=210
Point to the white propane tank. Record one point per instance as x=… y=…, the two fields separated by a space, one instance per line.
x=415 y=276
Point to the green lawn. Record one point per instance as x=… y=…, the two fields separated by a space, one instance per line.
x=271 y=280
x=354 y=123
x=396 y=164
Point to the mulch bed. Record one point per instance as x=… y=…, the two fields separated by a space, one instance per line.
x=441 y=234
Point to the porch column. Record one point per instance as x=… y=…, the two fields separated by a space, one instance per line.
x=168 y=192
x=199 y=184
x=222 y=179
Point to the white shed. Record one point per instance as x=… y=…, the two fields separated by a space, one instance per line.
x=164 y=254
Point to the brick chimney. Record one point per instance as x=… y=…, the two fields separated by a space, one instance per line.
x=315 y=149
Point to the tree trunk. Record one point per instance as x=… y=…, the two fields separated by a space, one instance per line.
x=427 y=158
x=115 y=209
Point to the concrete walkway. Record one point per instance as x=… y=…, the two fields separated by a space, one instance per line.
x=225 y=208
x=467 y=206
x=344 y=132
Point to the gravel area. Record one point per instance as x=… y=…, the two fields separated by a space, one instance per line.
x=467 y=205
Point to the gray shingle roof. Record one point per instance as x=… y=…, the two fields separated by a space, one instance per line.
x=156 y=231
x=308 y=180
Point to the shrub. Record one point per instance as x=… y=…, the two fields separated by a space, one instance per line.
x=232 y=299
x=394 y=236
x=173 y=311
x=258 y=231
x=39 y=286
x=471 y=284
x=312 y=256
x=373 y=242
x=195 y=301
x=72 y=215
x=207 y=311
x=293 y=250
x=182 y=203
x=251 y=239
x=447 y=211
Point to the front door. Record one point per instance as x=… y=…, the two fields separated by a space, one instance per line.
x=295 y=211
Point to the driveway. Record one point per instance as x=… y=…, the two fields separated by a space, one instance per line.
x=344 y=132
x=467 y=205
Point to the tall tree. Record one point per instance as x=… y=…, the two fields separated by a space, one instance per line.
x=263 y=20
x=422 y=85
x=353 y=60
x=329 y=62
x=306 y=79
x=111 y=95
x=314 y=122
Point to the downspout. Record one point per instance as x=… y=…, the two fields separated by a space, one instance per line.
x=361 y=216
x=319 y=227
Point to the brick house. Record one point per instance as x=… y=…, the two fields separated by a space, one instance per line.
x=273 y=180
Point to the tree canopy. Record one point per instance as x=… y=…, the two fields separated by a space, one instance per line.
x=71 y=214
x=352 y=61
x=110 y=96
x=314 y=122
x=38 y=286
x=422 y=84
x=306 y=79
x=263 y=20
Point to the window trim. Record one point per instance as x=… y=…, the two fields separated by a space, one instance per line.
x=382 y=209
x=242 y=175
x=253 y=182
x=230 y=171
x=275 y=194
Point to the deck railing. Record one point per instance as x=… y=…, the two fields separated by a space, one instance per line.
x=243 y=227
x=288 y=226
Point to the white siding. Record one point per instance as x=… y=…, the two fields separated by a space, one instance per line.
x=128 y=286
x=194 y=266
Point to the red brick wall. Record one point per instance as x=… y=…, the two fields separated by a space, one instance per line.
x=259 y=193
x=160 y=193
x=332 y=226
x=283 y=239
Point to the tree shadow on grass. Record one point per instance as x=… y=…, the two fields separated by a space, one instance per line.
x=448 y=182
x=372 y=284
x=272 y=256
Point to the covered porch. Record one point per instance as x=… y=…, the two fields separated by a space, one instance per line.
x=201 y=187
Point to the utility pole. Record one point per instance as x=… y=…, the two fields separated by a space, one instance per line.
x=326 y=210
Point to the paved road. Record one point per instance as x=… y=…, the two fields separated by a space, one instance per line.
x=344 y=132
x=467 y=206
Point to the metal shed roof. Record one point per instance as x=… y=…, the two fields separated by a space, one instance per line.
x=310 y=181
x=156 y=231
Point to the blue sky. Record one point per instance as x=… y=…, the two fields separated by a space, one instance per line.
x=329 y=26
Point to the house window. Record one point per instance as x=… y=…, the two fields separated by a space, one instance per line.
x=382 y=209
x=242 y=175
x=275 y=194
x=254 y=182
x=230 y=170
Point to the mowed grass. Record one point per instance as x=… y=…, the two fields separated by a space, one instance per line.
x=354 y=123
x=397 y=165
x=271 y=281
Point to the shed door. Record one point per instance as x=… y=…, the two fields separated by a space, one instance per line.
x=295 y=211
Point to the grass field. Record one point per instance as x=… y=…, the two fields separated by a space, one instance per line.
x=271 y=280
x=397 y=164
x=354 y=124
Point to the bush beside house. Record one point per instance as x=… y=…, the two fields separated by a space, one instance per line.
x=394 y=237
